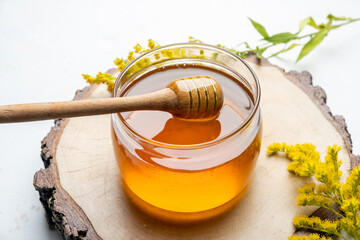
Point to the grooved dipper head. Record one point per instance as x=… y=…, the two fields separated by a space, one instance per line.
x=199 y=97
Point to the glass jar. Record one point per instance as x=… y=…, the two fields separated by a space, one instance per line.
x=188 y=171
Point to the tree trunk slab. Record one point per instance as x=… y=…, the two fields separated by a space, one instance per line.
x=81 y=191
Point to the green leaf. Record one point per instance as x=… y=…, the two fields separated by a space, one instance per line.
x=324 y=26
x=285 y=49
x=259 y=28
x=332 y=17
x=314 y=41
x=259 y=51
x=281 y=38
x=303 y=23
x=307 y=21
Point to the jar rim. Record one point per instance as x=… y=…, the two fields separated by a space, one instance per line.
x=240 y=128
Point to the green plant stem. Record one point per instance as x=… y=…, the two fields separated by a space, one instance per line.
x=334 y=197
x=333 y=210
x=307 y=35
x=351 y=234
x=355 y=223
x=349 y=21
x=356 y=236
x=264 y=48
x=320 y=230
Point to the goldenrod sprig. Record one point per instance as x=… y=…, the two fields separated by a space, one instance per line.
x=326 y=192
x=304 y=157
x=106 y=78
x=312 y=236
x=121 y=63
x=315 y=223
x=286 y=38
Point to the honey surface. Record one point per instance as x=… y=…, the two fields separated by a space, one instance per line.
x=181 y=193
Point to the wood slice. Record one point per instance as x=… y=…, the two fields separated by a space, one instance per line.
x=82 y=194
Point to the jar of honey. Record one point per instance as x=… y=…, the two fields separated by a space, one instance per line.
x=184 y=171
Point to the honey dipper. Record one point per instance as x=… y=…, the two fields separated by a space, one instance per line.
x=198 y=97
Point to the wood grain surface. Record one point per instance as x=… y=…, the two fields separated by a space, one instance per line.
x=82 y=195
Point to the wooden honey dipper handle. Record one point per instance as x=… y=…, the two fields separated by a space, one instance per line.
x=190 y=98
x=54 y=110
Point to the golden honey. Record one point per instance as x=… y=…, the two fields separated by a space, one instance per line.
x=184 y=171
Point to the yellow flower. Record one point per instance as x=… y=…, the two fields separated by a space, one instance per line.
x=110 y=85
x=131 y=56
x=143 y=63
x=317 y=224
x=329 y=190
x=326 y=173
x=351 y=205
x=313 y=236
x=304 y=157
x=88 y=78
x=193 y=40
x=105 y=78
x=311 y=199
x=137 y=48
x=307 y=188
x=118 y=61
x=276 y=147
x=352 y=186
x=323 y=189
x=167 y=53
x=157 y=56
x=145 y=50
x=152 y=44
x=348 y=225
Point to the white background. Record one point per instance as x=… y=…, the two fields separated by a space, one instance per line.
x=46 y=45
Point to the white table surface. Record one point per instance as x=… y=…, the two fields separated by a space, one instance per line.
x=46 y=45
